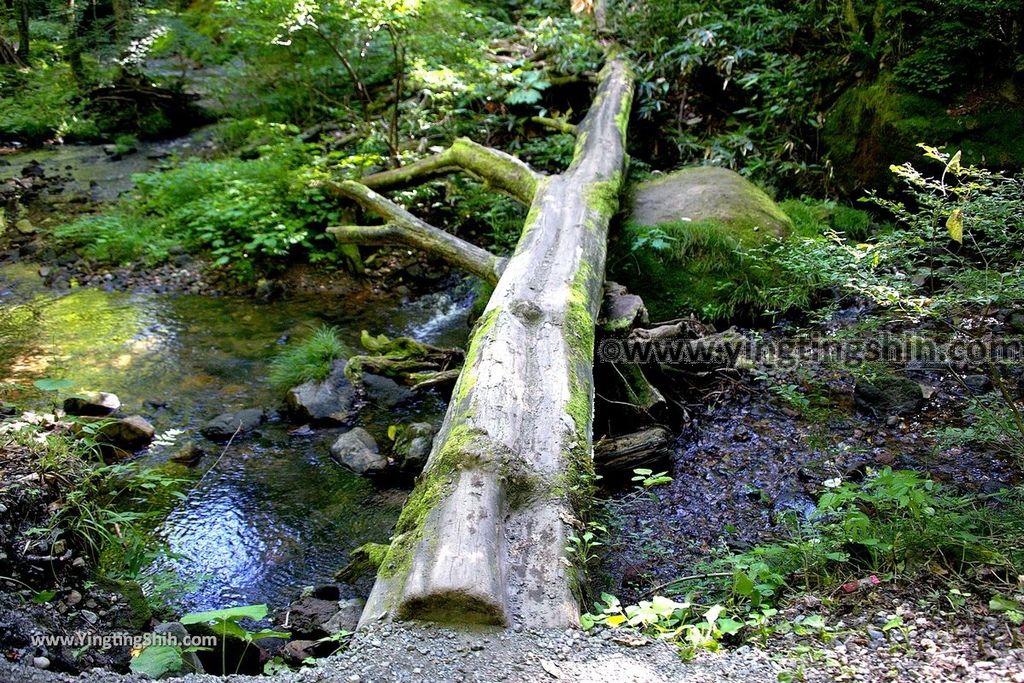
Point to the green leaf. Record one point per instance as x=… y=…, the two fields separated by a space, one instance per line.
x=157 y=660
x=742 y=585
x=268 y=633
x=955 y=226
x=729 y=626
x=815 y=621
x=43 y=597
x=255 y=612
x=1003 y=604
x=713 y=613
x=50 y=384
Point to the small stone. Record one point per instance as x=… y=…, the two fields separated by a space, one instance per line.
x=358 y=451
x=226 y=425
x=41 y=662
x=73 y=598
x=89 y=616
x=25 y=227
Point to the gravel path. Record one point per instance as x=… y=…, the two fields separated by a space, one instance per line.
x=437 y=655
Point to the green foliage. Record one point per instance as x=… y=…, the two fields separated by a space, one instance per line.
x=705 y=268
x=225 y=623
x=309 y=361
x=110 y=511
x=722 y=81
x=991 y=421
x=915 y=267
x=894 y=522
x=157 y=661
x=249 y=216
x=41 y=103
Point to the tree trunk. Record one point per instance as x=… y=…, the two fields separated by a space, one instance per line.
x=483 y=536
x=23 y=37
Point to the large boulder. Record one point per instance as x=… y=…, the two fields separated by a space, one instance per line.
x=683 y=245
x=357 y=450
x=332 y=401
x=223 y=427
x=709 y=193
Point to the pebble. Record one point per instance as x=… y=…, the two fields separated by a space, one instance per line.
x=41 y=662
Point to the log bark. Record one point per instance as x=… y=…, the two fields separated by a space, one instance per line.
x=623 y=454
x=403 y=228
x=483 y=536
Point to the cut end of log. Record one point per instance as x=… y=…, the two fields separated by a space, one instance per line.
x=454 y=607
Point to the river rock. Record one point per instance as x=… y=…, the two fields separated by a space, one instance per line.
x=385 y=392
x=92 y=403
x=332 y=401
x=189 y=454
x=978 y=384
x=127 y=434
x=412 y=446
x=223 y=427
x=308 y=617
x=620 y=310
x=889 y=395
x=357 y=450
x=347 y=616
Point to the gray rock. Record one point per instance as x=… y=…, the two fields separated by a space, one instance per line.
x=92 y=403
x=347 y=616
x=708 y=193
x=332 y=401
x=357 y=450
x=127 y=433
x=978 y=384
x=223 y=427
x=385 y=392
x=189 y=454
x=889 y=395
x=308 y=617
x=412 y=446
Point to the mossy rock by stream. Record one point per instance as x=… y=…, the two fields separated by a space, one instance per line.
x=684 y=244
x=871 y=127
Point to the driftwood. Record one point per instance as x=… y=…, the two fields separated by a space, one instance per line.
x=623 y=454
x=483 y=535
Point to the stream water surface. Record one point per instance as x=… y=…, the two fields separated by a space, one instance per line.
x=274 y=512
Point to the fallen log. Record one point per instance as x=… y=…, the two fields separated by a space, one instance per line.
x=483 y=535
x=625 y=453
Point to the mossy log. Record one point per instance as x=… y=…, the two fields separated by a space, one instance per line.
x=483 y=536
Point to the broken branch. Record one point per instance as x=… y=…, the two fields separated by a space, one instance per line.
x=405 y=229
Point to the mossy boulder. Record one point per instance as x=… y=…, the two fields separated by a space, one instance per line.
x=871 y=127
x=685 y=245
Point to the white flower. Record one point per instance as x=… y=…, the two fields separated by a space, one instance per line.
x=832 y=483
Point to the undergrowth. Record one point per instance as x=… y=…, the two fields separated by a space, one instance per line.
x=308 y=361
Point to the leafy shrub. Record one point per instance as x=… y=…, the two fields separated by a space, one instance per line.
x=117 y=237
x=310 y=361
x=250 y=216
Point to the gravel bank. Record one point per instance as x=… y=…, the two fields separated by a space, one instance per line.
x=438 y=655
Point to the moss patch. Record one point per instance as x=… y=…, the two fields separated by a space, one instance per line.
x=873 y=126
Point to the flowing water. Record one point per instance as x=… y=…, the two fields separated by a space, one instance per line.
x=275 y=512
